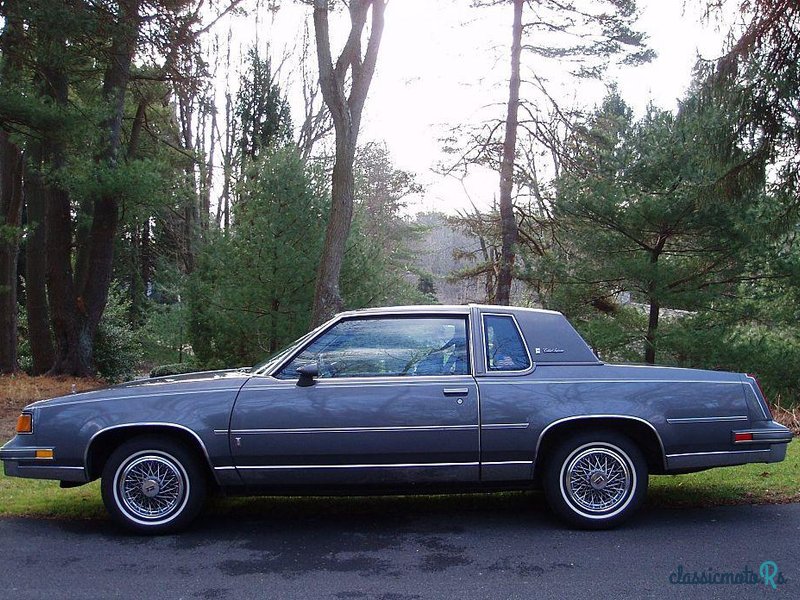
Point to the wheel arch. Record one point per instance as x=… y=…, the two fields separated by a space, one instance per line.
x=640 y=431
x=105 y=441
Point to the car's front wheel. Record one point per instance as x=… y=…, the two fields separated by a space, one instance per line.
x=595 y=480
x=153 y=485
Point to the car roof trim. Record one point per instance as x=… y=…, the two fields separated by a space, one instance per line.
x=441 y=308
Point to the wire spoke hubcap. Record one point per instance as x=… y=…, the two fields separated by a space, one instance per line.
x=598 y=479
x=151 y=487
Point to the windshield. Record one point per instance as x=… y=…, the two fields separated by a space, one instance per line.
x=267 y=365
x=273 y=359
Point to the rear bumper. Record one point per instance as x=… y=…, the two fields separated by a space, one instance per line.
x=763 y=436
x=768 y=445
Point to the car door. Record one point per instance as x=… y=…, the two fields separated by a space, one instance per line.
x=394 y=401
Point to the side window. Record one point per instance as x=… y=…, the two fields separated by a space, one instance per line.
x=384 y=347
x=505 y=350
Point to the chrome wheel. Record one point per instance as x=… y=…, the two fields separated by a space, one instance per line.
x=153 y=484
x=595 y=479
x=152 y=488
x=598 y=480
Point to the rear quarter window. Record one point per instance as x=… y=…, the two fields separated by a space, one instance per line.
x=505 y=349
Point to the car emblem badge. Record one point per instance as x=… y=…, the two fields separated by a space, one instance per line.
x=598 y=481
x=150 y=488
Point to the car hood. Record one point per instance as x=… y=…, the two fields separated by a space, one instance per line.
x=222 y=381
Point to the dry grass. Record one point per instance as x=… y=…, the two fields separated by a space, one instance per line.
x=787 y=416
x=18 y=390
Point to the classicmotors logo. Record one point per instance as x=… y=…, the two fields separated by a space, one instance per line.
x=767 y=574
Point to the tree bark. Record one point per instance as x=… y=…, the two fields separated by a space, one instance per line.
x=38 y=315
x=223 y=212
x=136 y=129
x=508 y=222
x=94 y=292
x=327 y=300
x=650 y=336
x=191 y=211
x=145 y=257
x=77 y=305
x=58 y=217
x=10 y=220
x=655 y=302
x=346 y=112
x=208 y=176
x=10 y=200
x=64 y=308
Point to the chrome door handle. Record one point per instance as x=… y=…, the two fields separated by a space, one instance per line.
x=455 y=391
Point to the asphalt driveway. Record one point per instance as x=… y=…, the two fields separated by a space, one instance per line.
x=401 y=548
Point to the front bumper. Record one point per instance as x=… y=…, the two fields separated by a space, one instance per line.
x=22 y=462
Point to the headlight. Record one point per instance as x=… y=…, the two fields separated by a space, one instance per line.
x=25 y=423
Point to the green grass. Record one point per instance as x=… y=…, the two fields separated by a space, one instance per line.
x=40 y=498
x=775 y=483
x=747 y=484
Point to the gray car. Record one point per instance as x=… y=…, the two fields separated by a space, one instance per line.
x=420 y=399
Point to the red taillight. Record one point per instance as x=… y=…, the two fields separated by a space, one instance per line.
x=742 y=437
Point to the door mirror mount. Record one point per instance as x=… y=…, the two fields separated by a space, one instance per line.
x=308 y=373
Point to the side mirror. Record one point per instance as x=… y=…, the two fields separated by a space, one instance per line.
x=307 y=374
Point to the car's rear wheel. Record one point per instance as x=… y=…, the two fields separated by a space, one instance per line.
x=153 y=485
x=595 y=480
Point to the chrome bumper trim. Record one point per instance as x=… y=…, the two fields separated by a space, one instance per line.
x=302 y=430
x=707 y=460
x=687 y=420
x=24 y=453
x=359 y=466
x=12 y=468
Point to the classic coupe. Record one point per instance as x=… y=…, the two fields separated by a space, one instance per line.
x=404 y=399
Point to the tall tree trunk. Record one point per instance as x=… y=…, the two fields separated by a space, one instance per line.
x=60 y=277
x=207 y=170
x=77 y=305
x=654 y=300
x=136 y=128
x=346 y=112
x=137 y=284
x=327 y=300
x=191 y=211
x=508 y=222
x=650 y=336
x=38 y=315
x=223 y=212
x=10 y=220
x=10 y=197
x=60 y=281
x=145 y=258
x=105 y=217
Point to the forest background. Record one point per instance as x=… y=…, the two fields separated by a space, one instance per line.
x=173 y=198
